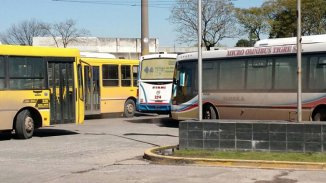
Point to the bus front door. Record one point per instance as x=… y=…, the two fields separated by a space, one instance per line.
x=62 y=99
x=92 y=90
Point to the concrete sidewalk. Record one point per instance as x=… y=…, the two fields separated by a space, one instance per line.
x=163 y=155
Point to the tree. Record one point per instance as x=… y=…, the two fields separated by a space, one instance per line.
x=244 y=43
x=314 y=17
x=253 y=21
x=282 y=17
x=66 y=32
x=23 y=33
x=218 y=21
x=283 y=20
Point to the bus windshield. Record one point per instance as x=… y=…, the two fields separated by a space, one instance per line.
x=157 y=69
x=185 y=81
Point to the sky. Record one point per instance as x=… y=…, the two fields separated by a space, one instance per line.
x=103 y=18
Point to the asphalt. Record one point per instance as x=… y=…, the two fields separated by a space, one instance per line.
x=163 y=154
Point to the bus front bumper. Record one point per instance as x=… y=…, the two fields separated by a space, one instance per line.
x=154 y=108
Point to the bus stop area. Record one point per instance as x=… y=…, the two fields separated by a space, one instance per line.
x=112 y=149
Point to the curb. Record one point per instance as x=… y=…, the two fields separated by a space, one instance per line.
x=151 y=154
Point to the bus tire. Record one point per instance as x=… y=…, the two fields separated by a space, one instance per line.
x=24 y=127
x=209 y=112
x=129 y=108
x=319 y=115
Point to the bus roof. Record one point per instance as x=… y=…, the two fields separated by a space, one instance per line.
x=96 y=55
x=254 y=51
x=109 y=61
x=38 y=51
x=291 y=41
x=159 y=55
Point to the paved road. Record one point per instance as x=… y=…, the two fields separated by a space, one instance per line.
x=110 y=150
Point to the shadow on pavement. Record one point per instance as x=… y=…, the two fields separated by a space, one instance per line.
x=148 y=134
x=162 y=122
x=5 y=136
x=138 y=114
x=46 y=132
x=115 y=115
x=101 y=116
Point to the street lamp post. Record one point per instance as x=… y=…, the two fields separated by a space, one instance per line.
x=299 y=71
x=200 y=105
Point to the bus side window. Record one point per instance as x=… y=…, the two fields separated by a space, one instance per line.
x=110 y=75
x=125 y=75
x=317 y=73
x=285 y=73
x=135 y=74
x=209 y=71
x=26 y=73
x=182 y=79
x=2 y=73
x=260 y=74
x=80 y=82
x=232 y=74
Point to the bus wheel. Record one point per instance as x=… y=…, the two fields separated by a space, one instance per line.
x=320 y=115
x=24 y=128
x=130 y=107
x=209 y=112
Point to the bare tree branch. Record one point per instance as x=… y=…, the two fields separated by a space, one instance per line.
x=218 y=21
x=23 y=33
x=65 y=32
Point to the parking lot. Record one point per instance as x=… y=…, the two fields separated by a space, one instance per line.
x=111 y=150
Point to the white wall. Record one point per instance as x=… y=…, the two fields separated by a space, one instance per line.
x=121 y=47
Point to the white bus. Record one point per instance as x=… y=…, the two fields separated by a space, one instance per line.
x=155 y=83
x=257 y=83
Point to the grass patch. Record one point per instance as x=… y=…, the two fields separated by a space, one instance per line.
x=270 y=156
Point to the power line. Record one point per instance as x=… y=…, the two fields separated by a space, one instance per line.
x=131 y=3
x=154 y=4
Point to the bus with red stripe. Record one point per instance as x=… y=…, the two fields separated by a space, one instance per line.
x=256 y=83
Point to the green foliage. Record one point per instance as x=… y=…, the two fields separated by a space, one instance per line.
x=283 y=19
x=253 y=21
x=278 y=18
x=244 y=43
x=271 y=156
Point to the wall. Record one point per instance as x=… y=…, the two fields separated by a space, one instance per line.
x=253 y=136
x=129 y=48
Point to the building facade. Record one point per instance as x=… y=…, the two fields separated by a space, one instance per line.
x=129 y=48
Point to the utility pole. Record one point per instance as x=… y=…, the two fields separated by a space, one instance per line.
x=144 y=28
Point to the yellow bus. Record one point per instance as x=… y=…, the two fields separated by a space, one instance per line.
x=110 y=85
x=39 y=87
